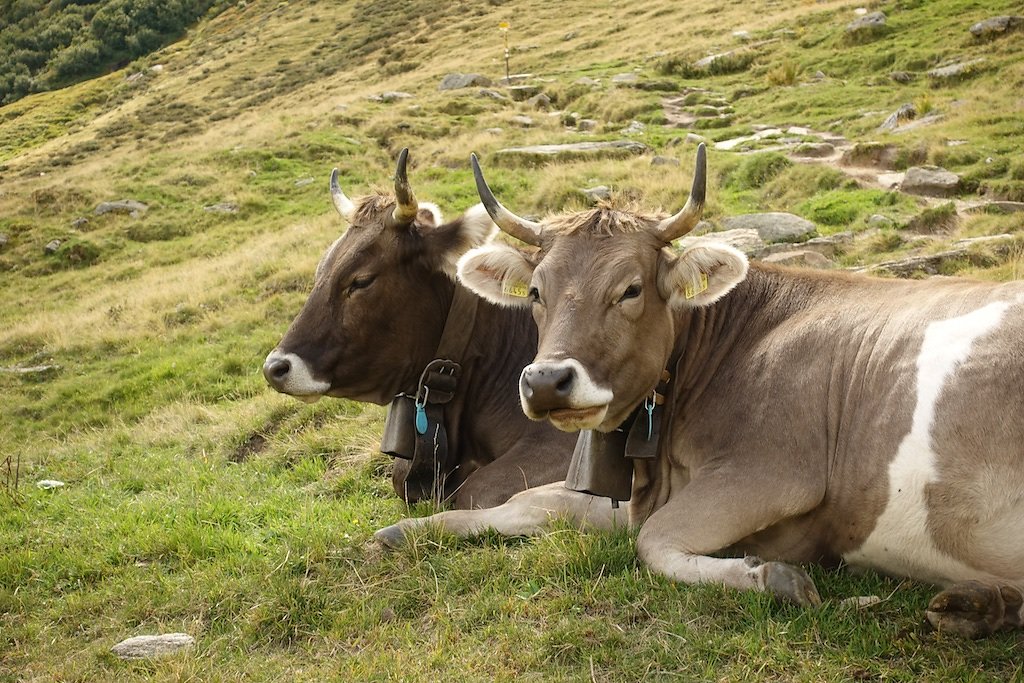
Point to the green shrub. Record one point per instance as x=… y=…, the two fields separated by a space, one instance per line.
x=758 y=169
x=941 y=218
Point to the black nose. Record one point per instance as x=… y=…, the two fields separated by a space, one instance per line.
x=276 y=371
x=547 y=387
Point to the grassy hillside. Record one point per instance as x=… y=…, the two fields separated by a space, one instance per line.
x=197 y=500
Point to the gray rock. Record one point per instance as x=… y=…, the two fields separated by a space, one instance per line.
x=521 y=93
x=146 y=647
x=799 y=257
x=624 y=79
x=51 y=247
x=129 y=206
x=998 y=206
x=867 y=25
x=302 y=182
x=79 y=222
x=522 y=121
x=570 y=35
x=902 y=77
x=906 y=112
x=495 y=131
x=742 y=36
x=514 y=78
x=996 y=26
x=595 y=194
x=222 y=207
x=956 y=71
x=634 y=128
x=455 y=81
x=389 y=96
x=773 y=226
x=814 y=150
x=586 y=125
x=880 y=221
x=930 y=181
x=586 y=80
x=49 y=484
x=539 y=101
x=746 y=240
x=664 y=161
x=976 y=250
x=492 y=94
x=588 y=150
x=693 y=139
x=32 y=370
x=828 y=245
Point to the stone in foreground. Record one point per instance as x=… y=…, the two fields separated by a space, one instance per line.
x=615 y=149
x=147 y=647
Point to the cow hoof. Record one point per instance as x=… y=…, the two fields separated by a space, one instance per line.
x=973 y=609
x=790 y=584
x=391 y=536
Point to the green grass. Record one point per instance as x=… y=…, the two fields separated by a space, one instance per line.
x=199 y=501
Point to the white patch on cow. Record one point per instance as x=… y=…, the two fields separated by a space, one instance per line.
x=434 y=210
x=327 y=257
x=900 y=542
x=299 y=381
x=498 y=272
x=586 y=394
x=477 y=228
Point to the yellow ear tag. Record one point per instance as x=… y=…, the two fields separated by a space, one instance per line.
x=690 y=291
x=518 y=289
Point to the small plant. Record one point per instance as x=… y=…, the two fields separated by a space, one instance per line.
x=759 y=169
x=942 y=218
x=924 y=105
x=783 y=74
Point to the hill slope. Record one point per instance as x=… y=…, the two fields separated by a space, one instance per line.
x=197 y=501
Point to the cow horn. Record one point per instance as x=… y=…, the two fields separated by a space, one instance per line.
x=406 y=206
x=688 y=217
x=342 y=203
x=517 y=227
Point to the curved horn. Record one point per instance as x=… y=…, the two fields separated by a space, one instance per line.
x=406 y=206
x=517 y=227
x=342 y=203
x=688 y=217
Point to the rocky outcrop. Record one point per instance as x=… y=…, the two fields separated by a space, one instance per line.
x=147 y=647
x=615 y=149
x=996 y=27
x=930 y=181
x=455 y=81
x=772 y=226
x=127 y=206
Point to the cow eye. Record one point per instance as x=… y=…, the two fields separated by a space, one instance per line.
x=632 y=292
x=360 y=283
x=534 y=295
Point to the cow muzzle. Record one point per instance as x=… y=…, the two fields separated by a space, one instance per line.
x=563 y=393
x=289 y=374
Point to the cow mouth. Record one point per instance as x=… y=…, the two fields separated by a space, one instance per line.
x=576 y=419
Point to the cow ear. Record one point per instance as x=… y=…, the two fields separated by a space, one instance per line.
x=499 y=273
x=446 y=243
x=700 y=275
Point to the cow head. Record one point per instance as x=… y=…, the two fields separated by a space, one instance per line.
x=380 y=298
x=606 y=291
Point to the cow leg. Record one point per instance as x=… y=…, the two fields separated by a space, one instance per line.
x=525 y=514
x=973 y=609
x=714 y=512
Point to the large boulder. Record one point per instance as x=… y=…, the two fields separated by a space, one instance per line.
x=615 y=149
x=129 y=206
x=744 y=239
x=773 y=226
x=146 y=647
x=455 y=81
x=867 y=26
x=996 y=26
x=930 y=181
x=955 y=72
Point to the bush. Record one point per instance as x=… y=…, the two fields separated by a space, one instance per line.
x=758 y=169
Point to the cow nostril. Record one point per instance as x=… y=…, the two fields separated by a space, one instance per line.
x=278 y=370
x=564 y=385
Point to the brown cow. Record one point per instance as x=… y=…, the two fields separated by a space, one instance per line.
x=808 y=417
x=374 y=320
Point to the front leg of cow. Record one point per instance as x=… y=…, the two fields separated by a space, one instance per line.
x=714 y=512
x=525 y=514
x=973 y=609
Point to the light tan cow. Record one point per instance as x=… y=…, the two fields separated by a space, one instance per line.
x=810 y=416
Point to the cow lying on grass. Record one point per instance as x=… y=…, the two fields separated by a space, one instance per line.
x=804 y=416
x=383 y=296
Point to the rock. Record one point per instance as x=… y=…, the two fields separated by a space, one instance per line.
x=880 y=222
x=742 y=36
x=624 y=79
x=799 y=257
x=902 y=77
x=512 y=79
x=495 y=131
x=634 y=128
x=762 y=134
x=746 y=240
x=49 y=484
x=919 y=123
x=521 y=93
x=930 y=181
x=586 y=80
x=867 y=25
x=996 y=26
x=954 y=72
x=860 y=11
x=693 y=139
x=828 y=245
x=32 y=370
x=595 y=194
x=493 y=94
x=814 y=150
x=129 y=206
x=616 y=149
x=570 y=35
x=455 y=81
x=664 y=161
x=51 y=247
x=586 y=125
x=906 y=112
x=872 y=154
x=539 y=101
x=79 y=222
x=522 y=121
x=997 y=206
x=389 y=96
x=772 y=226
x=819 y=75
x=146 y=647
x=302 y=182
x=222 y=207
